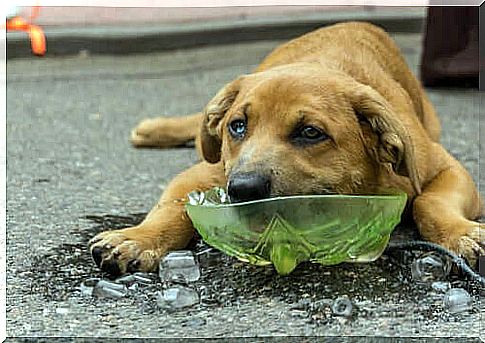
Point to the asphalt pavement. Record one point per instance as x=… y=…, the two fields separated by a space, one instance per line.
x=71 y=173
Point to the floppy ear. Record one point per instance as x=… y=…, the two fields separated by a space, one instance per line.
x=214 y=112
x=396 y=144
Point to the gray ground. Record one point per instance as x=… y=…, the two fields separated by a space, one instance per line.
x=68 y=121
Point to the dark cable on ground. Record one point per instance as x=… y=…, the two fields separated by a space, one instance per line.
x=427 y=246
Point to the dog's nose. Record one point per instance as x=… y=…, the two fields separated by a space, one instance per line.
x=248 y=186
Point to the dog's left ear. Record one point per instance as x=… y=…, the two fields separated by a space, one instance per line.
x=396 y=145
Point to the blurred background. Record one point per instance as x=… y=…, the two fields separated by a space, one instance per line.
x=449 y=34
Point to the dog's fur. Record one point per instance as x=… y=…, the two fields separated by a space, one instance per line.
x=348 y=80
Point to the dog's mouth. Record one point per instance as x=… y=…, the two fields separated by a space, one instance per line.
x=257 y=185
x=254 y=195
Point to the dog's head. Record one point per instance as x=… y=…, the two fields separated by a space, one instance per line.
x=302 y=130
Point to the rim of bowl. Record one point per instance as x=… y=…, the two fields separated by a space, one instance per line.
x=396 y=196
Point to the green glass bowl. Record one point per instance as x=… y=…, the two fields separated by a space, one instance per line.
x=284 y=231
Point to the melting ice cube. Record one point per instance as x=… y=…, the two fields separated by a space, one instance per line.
x=145 y=278
x=457 y=300
x=127 y=279
x=179 y=265
x=342 y=307
x=430 y=267
x=108 y=289
x=88 y=285
x=196 y=197
x=441 y=286
x=177 y=297
x=132 y=281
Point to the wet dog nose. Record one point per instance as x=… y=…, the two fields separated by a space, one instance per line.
x=248 y=186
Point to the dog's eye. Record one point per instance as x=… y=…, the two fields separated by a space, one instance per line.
x=237 y=128
x=309 y=134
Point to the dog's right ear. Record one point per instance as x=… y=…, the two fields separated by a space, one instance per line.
x=211 y=130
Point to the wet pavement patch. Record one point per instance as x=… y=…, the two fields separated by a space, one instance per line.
x=57 y=274
x=114 y=222
x=309 y=291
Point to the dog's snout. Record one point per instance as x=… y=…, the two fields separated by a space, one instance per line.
x=248 y=186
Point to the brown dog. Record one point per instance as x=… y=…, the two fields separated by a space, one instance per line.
x=334 y=111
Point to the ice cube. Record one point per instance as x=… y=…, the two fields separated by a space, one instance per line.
x=196 y=197
x=108 y=289
x=342 y=307
x=62 y=310
x=177 y=297
x=129 y=280
x=133 y=287
x=179 y=265
x=215 y=197
x=441 y=286
x=145 y=278
x=126 y=279
x=88 y=285
x=223 y=197
x=430 y=267
x=457 y=300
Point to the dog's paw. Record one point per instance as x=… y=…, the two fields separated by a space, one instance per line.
x=120 y=251
x=471 y=245
x=162 y=132
x=145 y=133
x=157 y=133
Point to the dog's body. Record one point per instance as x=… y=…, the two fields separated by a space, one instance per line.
x=334 y=111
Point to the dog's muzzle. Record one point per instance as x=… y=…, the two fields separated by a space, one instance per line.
x=248 y=186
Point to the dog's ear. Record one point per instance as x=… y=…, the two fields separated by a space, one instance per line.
x=210 y=135
x=395 y=142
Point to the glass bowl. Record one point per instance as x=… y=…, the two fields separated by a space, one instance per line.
x=285 y=231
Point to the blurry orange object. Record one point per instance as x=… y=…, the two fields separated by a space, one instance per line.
x=37 y=37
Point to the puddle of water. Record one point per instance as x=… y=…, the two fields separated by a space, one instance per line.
x=226 y=281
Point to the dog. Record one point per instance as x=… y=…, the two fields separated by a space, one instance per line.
x=336 y=110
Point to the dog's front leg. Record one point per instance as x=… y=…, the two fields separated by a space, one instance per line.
x=446 y=210
x=167 y=226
